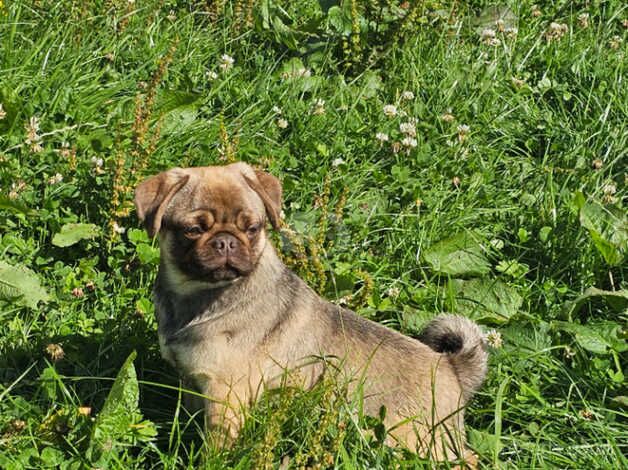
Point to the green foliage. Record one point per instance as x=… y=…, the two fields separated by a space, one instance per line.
x=73 y=233
x=493 y=186
x=21 y=285
x=119 y=422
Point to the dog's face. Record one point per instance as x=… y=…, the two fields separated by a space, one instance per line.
x=210 y=220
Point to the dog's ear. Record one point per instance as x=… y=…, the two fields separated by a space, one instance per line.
x=268 y=188
x=153 y=195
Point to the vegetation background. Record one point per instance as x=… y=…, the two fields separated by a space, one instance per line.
x=436 y=156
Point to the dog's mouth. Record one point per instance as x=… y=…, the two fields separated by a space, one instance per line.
x=219 y=269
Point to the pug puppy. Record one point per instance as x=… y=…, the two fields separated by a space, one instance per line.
x=235 y=321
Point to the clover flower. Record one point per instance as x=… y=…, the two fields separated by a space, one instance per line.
x=409 y=142
x=78 y=292
x=337 y=162
x=556 y=31
x=382 y=137
x=408 y=128
x=56 y=179
x=297 y=73
x=210 y=75
x=390 y=110
x=407 y=95
x=583 y=20
x=494 y=339
x=447 y=117
x=118 y=229
x=536 y=11
x=32 y=134
x=319 y=107
x=615 y=42
x=393 y=292
x=55 y=351
x=3 y=113
x=488 y=37
x=463 y=132
x=226 y=62
x=282 y=123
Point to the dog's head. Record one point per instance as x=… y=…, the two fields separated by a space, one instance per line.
x=210 y=220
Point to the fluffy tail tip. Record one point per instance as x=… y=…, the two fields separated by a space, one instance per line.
x=463 y=343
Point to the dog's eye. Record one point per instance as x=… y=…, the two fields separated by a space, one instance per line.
x=253 y=229
x=193 y=231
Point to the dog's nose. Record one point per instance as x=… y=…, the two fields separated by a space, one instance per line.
x=224 y=243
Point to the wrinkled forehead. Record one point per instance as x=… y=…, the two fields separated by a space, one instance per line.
x=219 y=189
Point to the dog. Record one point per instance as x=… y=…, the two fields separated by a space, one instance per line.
x=233 y=318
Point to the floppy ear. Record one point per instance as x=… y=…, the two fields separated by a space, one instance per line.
x=268 y=188
x=153 y=195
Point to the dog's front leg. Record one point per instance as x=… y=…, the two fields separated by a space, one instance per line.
x=224 y=412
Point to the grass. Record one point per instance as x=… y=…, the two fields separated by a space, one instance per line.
x=528 y=201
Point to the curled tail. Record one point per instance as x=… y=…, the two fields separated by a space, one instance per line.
x=463 y=343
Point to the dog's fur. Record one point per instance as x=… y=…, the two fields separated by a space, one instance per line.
x=233 y=319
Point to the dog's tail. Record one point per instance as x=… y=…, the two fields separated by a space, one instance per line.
x=463 y=343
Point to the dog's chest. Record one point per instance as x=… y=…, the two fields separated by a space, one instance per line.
x=194 y=355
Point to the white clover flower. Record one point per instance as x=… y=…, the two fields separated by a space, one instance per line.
x=57 y=178
x=393 y=292
x=118 y=228
x=487 y=33
x=390 y=110
x=409 y=142
x=97 y=162
x=511 y=32
x=304 y=73
x=536 y=11
x=226 y=62
x=382 y=137
x=494 y=339
x=555 y=31
x=407 y=95
x=3 y=113
x=609 y=189
x=615 y=42
x=447 y=117
x=319 y=107
x=210 y=75
x=171 y=15
x=32 y=130
x=337 y=162
x=282 y=123
x=583 y=20
x=408 y=128
x=276 y=110
x=463 y=132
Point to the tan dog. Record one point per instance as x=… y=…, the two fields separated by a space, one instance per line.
x=233 y=319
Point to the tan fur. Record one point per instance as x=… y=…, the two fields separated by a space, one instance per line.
x=235 y=338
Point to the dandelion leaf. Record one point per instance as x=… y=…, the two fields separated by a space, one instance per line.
x=71 y=234
x=21 y=285
x=460 y=255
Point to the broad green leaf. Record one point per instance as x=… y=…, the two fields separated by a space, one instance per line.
x=13 y=206
x=74 y=233
x=460 y=255
x=607 y=226
x=596 y=337
x=485 y=299
x=483 y=442
x=147 y=254
x=20 y=284
x=119 y=421
x=178 y=119
x=617 y=299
